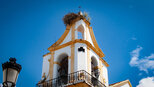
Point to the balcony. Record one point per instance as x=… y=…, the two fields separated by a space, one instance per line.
x=76 y=79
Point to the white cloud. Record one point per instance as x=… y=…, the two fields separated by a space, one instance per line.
x=151 y=56
x=146 y=82
x=144 y=63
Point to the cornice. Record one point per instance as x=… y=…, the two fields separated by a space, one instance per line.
x=101 y=54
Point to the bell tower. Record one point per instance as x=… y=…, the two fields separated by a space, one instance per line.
x=75 y=60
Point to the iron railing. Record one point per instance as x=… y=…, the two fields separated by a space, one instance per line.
x=71 y=79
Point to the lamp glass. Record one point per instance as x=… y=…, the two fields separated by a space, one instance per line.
x=4 y=75
x=12 y=75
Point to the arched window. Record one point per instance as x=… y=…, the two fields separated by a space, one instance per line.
x=63 y=68
x=94 y=67
x=80 y=30
x=94 y=71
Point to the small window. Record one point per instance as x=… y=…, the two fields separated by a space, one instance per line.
x=81 y=49
x=80 y=30
x=80 y=36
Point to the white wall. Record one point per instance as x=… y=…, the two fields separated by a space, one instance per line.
x=89 y=37
x=93 y=54
x=55 y=70
x=80 y=57
x=68 y=37
x=86 y=35
x=65 y=50
x=80 y=62
x=105 y=74
x=45 y=68
x=104 y=68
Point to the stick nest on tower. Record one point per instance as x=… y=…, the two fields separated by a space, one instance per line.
x=69 y=18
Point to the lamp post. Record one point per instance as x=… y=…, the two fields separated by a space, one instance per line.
x=11 y=71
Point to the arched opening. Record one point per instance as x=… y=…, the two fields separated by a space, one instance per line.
x=63 y=68
x=94 y=66
x=80 y=30
x=94 y=71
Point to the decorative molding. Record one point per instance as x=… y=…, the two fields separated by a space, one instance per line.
x=72 y=58
x=88 y=60
x=101 y=71
x=46 y=54
x=72 y=48
x=100 y=54
x=104 y=81
x=104 y=62
x=61 y=39
x=94 y=40
x=68 y=27
x=57 y=63
x=49 y=60
x=43 y=75
x=73 y=32
x=88 y=52
x=88 y=48
x=51 y=65
x=81 y=41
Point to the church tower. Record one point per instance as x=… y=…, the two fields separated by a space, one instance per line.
x=75 y=60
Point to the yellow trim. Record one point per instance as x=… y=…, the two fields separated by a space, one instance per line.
x=61 y=39
x=77 y=41
x=46 y=54
x=104 y=62
x=104 y=81
x=49 y=60
x=80 y=41
x=88 y=53
x=94 y=40
x=118 y=84
x=101 y=71
x=57 y=63
x=67 y=31
x=73 y=32
x=88 y=60
x=51 y=65
x=72 y=58
x=72 y=48
x=43 y=75
x=88 y=48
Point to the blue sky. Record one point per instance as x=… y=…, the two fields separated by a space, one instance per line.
x=123 y=29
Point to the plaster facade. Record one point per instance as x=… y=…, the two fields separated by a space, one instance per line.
x=77 y=60
x=81 y=53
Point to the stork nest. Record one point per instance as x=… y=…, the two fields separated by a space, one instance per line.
x=69 y=18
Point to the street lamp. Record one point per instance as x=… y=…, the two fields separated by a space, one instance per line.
x=10 y=72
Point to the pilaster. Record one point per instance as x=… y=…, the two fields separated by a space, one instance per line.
x=51 y=65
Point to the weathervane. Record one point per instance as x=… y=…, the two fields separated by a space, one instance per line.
x=79 y=8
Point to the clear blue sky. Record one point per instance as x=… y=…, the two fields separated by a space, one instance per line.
x=29 y=27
